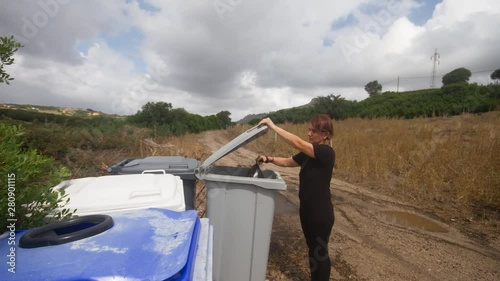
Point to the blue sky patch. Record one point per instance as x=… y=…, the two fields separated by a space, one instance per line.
x=418 y=16
x=343 y=22
x=422 y=14
x=127 y=43
x=146 y=6
x=84 y=46
x=327 y=42
x=370 y=8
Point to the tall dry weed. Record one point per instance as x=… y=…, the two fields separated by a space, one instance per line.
x=186 y=145
x=428 y=160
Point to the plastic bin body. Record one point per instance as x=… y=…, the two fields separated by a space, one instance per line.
x=203 y=262
x=175 y=165
x=118 y=193
x=241 y=210
x=148 y=244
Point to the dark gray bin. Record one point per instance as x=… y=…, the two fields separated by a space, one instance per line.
x=176 y=165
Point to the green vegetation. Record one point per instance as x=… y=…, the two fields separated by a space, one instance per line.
x=373 y=88
x=8 y=46
x=453 y=99
x=459 y=75
x=165 y=120
x=495 y=75
x=27 y=178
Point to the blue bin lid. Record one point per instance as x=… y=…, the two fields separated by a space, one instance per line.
x=150 y=244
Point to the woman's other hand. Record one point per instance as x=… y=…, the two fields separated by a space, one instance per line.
x=268 y=122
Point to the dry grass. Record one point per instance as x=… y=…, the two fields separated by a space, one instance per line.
x=451 y=163
x=186 y=145
x=442 y=160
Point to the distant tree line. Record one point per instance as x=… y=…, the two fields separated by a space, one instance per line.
x=452 y=99
x=166 y=120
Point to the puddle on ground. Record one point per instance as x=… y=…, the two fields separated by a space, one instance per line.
x=412 y=220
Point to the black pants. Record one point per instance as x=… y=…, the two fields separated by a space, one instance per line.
x=317 y=235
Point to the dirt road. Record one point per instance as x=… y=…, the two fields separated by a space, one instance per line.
x=375 y=237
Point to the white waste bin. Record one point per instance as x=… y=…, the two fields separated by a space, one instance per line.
x=176 y=165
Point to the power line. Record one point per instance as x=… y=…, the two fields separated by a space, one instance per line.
x=427 y=77
x=419 y=77
x=480 y=71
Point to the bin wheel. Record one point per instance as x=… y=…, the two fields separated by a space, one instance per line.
x=255 y=172
x=61 y=232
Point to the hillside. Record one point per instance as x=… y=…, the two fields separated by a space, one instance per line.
x=250 y=117
x=66 y=111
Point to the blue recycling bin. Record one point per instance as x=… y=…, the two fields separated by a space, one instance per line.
x=148 y=244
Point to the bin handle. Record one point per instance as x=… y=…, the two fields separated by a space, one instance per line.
x=255 y=172
x=141 y=193
x=66 y=231
x=154 y=171
x=178 y=166
x=124 y=162
x=120 y=164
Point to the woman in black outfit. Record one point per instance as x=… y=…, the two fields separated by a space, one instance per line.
x=316 y=159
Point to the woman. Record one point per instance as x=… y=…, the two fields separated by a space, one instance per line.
x=316 y=159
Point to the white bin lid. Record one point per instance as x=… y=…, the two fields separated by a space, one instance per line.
x=116 y=193
x=246 y=137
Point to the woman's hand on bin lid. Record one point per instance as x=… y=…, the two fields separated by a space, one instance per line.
x=260 y=159
x=263 y=159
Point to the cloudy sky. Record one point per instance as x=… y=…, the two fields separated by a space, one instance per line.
x=243 y=56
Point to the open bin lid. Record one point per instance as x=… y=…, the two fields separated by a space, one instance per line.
x=246 y=137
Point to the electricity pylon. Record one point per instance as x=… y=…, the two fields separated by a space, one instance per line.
x=435 y=59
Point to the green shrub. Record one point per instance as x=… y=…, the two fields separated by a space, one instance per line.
x=27 y=178
x=46 y=139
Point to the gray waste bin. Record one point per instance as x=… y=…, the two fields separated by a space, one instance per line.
x=241 y=210
x=176 y=165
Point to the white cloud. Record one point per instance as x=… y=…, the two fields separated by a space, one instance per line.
x=246 y=57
